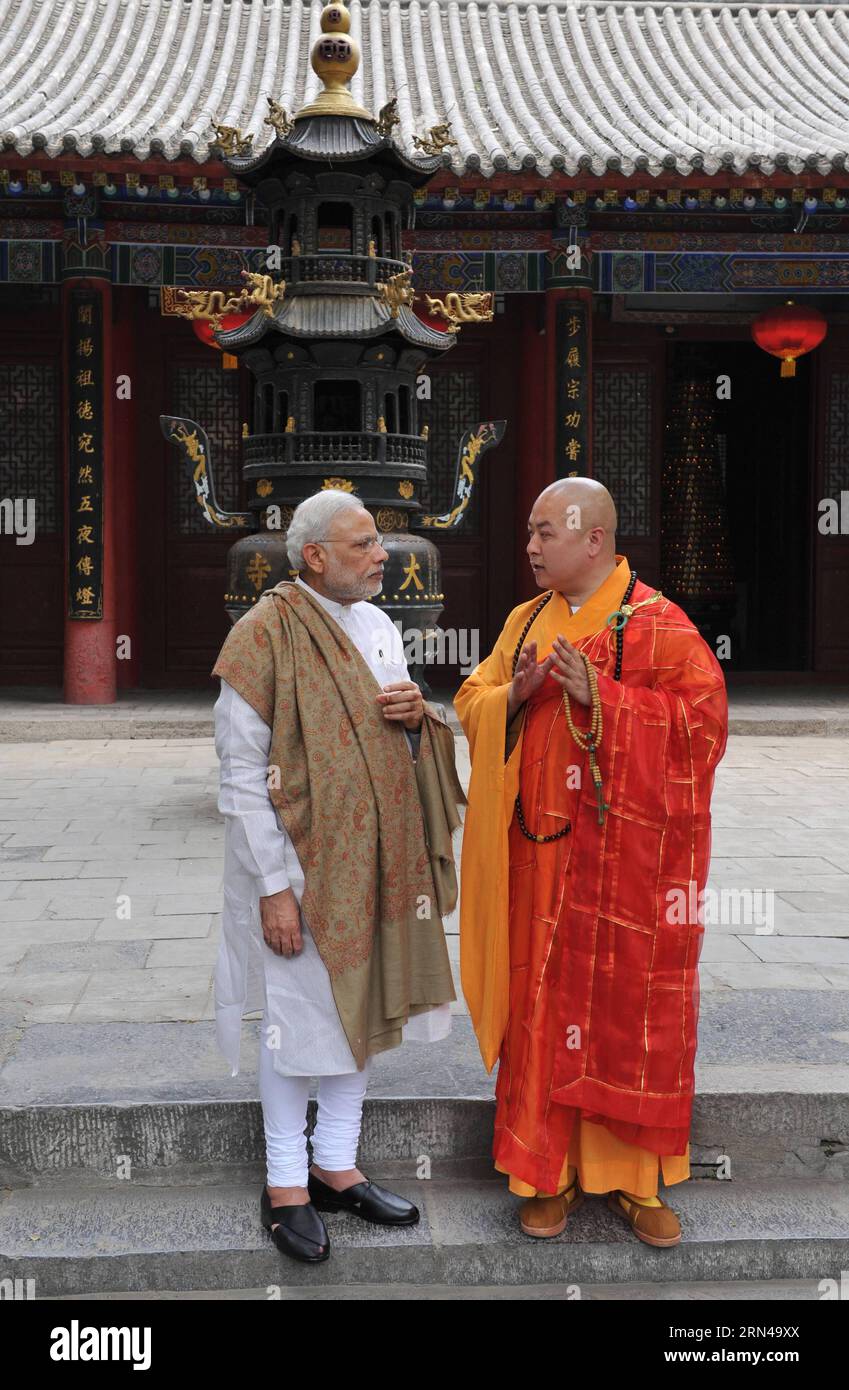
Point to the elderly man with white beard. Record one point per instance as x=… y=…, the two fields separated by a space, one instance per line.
x=338 y=863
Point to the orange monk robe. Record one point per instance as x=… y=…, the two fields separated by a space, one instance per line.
x=573 y=969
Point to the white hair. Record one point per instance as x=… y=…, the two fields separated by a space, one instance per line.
x=312 y=517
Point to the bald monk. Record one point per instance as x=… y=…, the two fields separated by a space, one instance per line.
x=586 y=846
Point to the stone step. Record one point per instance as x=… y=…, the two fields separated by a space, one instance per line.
x=23 y=729
x=771 y=1135
x=40 y=716
x=74 y=1239
x=707 y=1291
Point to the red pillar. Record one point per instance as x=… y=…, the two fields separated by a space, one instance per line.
x=89 y=671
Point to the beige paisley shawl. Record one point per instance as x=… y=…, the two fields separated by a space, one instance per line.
x=344 y=785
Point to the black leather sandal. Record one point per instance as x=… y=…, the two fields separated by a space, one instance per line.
x=300 y=1232
x=364 y=1199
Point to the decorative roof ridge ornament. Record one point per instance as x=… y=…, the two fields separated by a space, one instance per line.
x=335 y=57
x=396 y=291
x=436 y=140
x=277 y=118
x=230 y=140
x=387 y=118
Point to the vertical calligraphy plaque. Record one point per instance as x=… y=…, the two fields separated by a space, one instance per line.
x=572 y=394
x=85 y=474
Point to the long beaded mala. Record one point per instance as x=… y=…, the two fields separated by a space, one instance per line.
x=589 y=740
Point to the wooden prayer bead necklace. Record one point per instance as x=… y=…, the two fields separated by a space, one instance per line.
x=528 y=625
x=587 y=740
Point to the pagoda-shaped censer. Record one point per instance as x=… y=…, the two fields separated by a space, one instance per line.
x=332 y=341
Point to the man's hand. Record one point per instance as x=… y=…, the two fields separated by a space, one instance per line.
x=281 y=923
x=570 y=671
x=402 y=703
x=527 y=679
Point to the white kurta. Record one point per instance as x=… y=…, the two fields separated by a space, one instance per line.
x=260 y=859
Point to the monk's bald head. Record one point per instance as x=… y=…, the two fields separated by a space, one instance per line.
x=584 y=501
x=572 y=535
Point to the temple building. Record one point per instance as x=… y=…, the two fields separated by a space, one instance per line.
x=654 y=195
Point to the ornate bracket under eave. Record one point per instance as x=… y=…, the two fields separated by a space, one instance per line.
x=261 y=292
x=474 y=443
x=191 y=438
x=475 y=306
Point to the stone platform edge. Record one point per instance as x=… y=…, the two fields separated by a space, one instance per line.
x=79 y=727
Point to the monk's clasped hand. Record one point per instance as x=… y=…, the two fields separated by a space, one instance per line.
x=402 y=703
x=570 y=671
x=528 y=675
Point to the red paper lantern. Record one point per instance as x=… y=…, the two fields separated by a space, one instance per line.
x=788 y=332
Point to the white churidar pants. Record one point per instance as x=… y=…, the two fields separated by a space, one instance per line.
x=284 y=1110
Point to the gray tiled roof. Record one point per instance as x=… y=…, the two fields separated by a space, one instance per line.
x=565 y=85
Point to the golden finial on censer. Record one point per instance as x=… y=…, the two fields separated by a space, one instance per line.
x=335 y=58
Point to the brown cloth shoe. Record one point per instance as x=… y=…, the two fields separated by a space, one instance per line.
x=654 y=1225
x=546 y=1216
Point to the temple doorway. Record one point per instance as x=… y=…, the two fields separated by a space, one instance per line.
x=736 y=528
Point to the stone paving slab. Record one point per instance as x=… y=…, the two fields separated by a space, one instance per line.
x=749 y=1042
x=90 y=828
